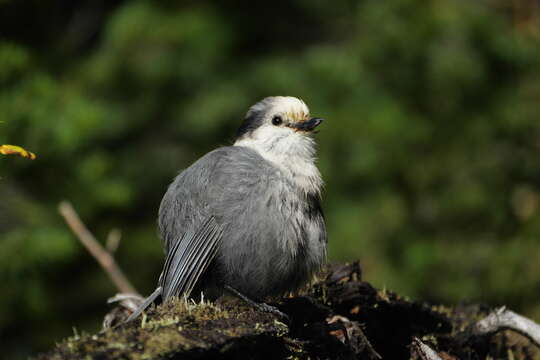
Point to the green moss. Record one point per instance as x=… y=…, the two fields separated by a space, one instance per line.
x=174 y=327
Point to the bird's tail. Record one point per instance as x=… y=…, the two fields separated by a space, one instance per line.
x=149 y=300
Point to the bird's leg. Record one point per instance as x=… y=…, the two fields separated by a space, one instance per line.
x=261 y=306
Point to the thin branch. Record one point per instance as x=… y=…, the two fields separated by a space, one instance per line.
x=503 y=319
x=425 y=352
x=118 y=315
x=113 y=240
x=128 y=301
x=102 y=256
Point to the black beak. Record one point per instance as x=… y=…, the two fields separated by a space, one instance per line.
x=308 y=125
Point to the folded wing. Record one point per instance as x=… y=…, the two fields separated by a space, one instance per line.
x=188 y=259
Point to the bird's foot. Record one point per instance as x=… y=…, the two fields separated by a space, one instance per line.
x=261 y=306
x=264 y=307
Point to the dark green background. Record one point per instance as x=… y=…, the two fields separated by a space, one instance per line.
x=430 y=151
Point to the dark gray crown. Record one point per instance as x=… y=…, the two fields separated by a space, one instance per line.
x=255 y=116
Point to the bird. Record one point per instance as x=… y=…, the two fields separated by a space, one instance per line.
x=247 y=217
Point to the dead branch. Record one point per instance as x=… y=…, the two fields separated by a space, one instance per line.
x=503 y=319
x=127 y=304
x=103 y=257
x=113 y=240
x=130 y=301
x=424 y=351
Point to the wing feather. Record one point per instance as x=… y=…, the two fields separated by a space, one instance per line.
x=189 y=258
x=146 y=303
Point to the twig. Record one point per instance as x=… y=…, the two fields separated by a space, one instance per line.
x=113 y=240
x=126 y=302
x=425 y=352
x=129 y=301
x=503 y=319
x=102 y=256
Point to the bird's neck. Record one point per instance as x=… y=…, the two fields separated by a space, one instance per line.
x=294 y=156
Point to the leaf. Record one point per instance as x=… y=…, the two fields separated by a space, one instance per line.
x=17 y=150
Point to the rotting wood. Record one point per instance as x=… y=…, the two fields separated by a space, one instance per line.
x=340 y=317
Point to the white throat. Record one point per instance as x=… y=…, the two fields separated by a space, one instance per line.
x=293 y=153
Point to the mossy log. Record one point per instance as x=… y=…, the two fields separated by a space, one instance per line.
x=340 y=317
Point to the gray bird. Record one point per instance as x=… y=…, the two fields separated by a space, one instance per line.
x=247 y=217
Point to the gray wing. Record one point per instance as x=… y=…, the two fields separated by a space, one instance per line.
x=199 y=207
x=185 y=263
x=191 y=223
x=189 y=257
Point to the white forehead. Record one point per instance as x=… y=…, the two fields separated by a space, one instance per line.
x=290 y=105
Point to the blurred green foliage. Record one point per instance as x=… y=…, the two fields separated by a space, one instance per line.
x=430 y=150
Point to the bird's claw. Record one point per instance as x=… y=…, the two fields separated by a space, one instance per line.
x=263 y=307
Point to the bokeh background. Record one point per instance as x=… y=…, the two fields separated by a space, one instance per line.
x=430 y=151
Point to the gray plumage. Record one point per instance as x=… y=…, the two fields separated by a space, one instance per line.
x=237 y=217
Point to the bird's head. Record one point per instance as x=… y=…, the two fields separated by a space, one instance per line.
x=277 y=118
x=279 y=128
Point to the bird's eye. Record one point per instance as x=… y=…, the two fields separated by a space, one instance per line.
x=277 y=120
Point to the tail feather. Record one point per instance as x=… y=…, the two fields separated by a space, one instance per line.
x=146 y=303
